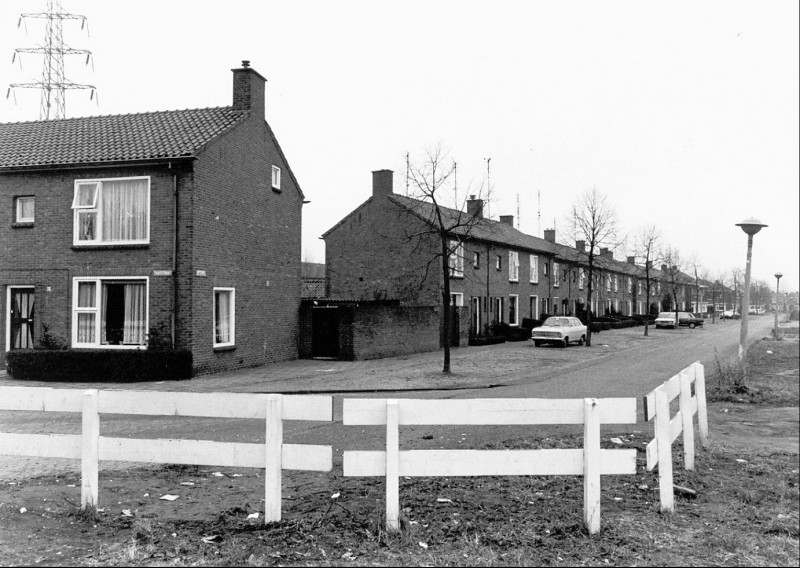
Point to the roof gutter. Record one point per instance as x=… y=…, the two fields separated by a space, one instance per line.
x=95 y=165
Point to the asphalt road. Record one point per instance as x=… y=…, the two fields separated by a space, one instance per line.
x=619 y=364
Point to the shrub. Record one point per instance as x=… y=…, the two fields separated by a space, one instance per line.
x=99 y=365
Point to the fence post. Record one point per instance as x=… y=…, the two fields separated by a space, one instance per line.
x=272 y=471
x=664 y=451
x=90 y=448
x=702 y=411
x=591 y=465
x=392 y=465
x=687 y=420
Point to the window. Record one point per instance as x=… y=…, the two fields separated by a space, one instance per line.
x=276 y=177
x=456 y=259
x=545 y=306
x=581 y=279
x=555 y=275
x=498 y=309
x=24 y=208
x=608 y=283
x=513 y=266
x=555 y=304
x=476 y=260
x=640 y=287
x=513 y=308
x=630 y=285
x=534 y=276
x=534 y=307
x=224 y=317
x=111 y=211
x=499 y=262
x=457 y=299
x=616 y=283
x=544 y=269
x=109 y=312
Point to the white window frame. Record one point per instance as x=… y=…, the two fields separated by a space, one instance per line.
x=97 y=308
x=555 y=274
x=534 y=269
x=554 y=307
x=456 y=259
x=476 y=259
x=581 y=279
x=276 y=177
x=534 y=299
x=499 y=262
x=608 y=283
x=96 y=207
x=616 y=283
x=232 y=341
x=513 y=266
x=18 y=215
x=457 y=299
x=499 y=306
x=515 y=302
x=8 y=310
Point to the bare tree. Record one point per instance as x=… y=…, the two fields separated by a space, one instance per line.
x=649 y=241
x=694 y=263
x=431 y=180
x=595 y=223
x=674 y=264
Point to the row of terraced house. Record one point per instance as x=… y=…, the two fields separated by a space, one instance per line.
x=184 y=228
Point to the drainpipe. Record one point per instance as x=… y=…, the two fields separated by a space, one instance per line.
x=174 y=317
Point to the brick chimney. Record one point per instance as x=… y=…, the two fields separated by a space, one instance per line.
x=604 y=252
x=382 y=182
x=475 y=207
x=631 y=260
x=248 y=90
x=663 y=268
x=507 y=219
x=580 y=245
x=550 y=235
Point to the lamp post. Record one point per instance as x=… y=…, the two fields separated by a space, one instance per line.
x=750 y=226
x=777 y=301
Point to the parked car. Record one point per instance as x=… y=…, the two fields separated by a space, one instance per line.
x=667 y=319
x=729 y=314
x=560 y=330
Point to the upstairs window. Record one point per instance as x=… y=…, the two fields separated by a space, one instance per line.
x=24 y=209
x=111 y=211
x=276 y=177
x=555 y=275
x=630 y=285
x=456 y=259
x=499 y=262
x=534 y=269
x=581 y=279
x=476 y=260
x=513 y=266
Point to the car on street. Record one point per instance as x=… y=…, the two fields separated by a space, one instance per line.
x=730 y=314
x=559 y=330
x=667 y=320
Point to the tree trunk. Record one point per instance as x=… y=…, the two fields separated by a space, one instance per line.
x=446 y=304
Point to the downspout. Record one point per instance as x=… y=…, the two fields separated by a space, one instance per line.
x=173 y=323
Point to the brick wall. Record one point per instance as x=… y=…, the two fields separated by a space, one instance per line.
x=385 y=331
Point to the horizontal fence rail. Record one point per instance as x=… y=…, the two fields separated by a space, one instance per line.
x=688 y=386
x=590 y=461
x=273 y=455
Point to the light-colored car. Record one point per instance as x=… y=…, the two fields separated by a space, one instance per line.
x=560 y=330
x=667 y=319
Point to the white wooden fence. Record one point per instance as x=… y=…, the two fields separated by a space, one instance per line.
x=668 y=428
x=590 y=461
x=90 y=447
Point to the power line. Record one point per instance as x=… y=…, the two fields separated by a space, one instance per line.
x=53 y=82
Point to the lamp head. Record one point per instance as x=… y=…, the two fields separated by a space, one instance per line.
x=751 y=226
x=778 y=275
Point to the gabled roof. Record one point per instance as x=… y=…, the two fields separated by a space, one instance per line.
x=113 y=138
x=481 y=229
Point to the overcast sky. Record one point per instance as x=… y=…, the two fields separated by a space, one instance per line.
x=685 y=114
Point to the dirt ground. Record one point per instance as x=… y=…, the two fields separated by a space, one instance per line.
x=217 y=515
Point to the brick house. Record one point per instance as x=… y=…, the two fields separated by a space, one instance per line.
x=181 y=227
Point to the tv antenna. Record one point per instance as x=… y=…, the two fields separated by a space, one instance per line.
x=53 y=83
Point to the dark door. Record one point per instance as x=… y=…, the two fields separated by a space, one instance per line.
x=21 y=318
x=325 y=332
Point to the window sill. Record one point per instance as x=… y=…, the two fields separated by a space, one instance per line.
x=223 y=348
x=111 y=247
x=22 y=225
x=277 y=189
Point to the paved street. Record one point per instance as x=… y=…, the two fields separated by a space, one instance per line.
x=619 y=363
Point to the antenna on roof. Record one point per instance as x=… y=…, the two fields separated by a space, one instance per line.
x=539 y=222
x=488 y=189
x=518 y=211
x=408 y=166
x=53 y=83
x=455 y=183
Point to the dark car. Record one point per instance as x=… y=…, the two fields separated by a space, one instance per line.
x=690 y=320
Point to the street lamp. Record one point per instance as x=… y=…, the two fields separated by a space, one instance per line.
x=777 y=301
x=750 y=226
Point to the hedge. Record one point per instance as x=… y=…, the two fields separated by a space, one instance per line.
x=99 y=365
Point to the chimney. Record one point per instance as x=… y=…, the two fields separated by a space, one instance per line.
x=248 y=90
x=603 y=252
x=507 y=219
x=580 y=245
x=382 y=181
x=550 y=235
x=649 y=264
x=663 y=268
x=631 y=260
x=475 y=207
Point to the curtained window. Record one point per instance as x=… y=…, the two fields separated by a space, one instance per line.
x=111 y=211
x=224 y=317
x=110 y=312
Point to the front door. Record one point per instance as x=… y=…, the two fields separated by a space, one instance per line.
x=20 y=317
x=325 y=332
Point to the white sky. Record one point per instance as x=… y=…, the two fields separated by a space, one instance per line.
x=684 y=113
